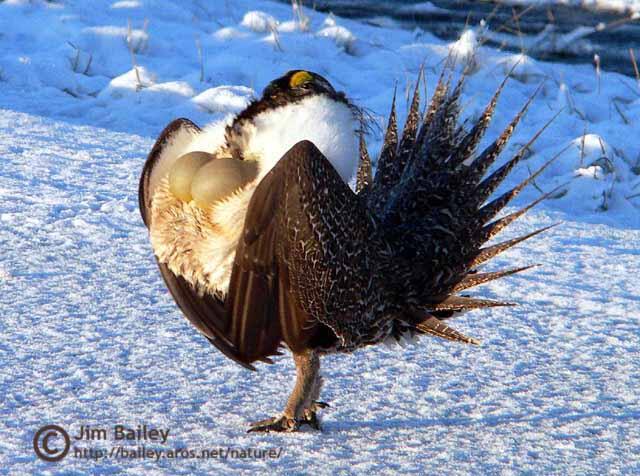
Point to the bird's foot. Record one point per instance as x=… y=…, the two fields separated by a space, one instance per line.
x=311 y=415
x=311 y=418
x=286 y=424
x=280 y=424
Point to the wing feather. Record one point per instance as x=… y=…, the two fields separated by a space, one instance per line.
x=294 y=234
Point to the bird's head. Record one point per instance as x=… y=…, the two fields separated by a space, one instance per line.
x=300 y=105
x=298 y=84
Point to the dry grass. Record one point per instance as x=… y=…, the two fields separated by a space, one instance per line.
x=596 y=64
x=200 y=58
x=302 y=20
x=582 y=140
x=635 y=65
x=75 y=62
x=135 y=47
x=132 y=51
x=615 y=102
x=276 y=38
x=139 y=45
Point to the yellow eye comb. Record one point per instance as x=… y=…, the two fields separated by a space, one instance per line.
x=299 y=78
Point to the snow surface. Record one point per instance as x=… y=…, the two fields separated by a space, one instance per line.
x=621 y=6
x=90 y=336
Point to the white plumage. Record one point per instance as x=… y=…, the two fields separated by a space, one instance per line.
x=199 y=244
x=329 y=124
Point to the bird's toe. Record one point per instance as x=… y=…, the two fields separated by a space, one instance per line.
x=311 y=419
x=279 y=424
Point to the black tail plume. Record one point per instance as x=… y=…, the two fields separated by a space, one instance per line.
x=430 y=193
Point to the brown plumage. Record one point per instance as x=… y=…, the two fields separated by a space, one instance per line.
x=320 y=269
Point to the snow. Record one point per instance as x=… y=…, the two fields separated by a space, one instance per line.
x=223 y=99
x=620 y=6
x=90 y=336
x=259 y=22
x=465 y=48
x=423 y=8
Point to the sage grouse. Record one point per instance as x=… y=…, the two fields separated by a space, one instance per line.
x=263 y=244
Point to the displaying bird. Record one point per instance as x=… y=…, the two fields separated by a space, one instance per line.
x=264 y=245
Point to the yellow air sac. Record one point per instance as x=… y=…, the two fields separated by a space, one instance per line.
x=182 y=173
x=219 y=178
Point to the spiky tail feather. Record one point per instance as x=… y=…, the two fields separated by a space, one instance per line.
x=429 y=191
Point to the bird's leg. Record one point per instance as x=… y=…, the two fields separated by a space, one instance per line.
x=313 y=404
x=301 y=401
x=307 y=368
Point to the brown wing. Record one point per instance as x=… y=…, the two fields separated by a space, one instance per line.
x=265 y=312
x=301 y=223
x=206 y=313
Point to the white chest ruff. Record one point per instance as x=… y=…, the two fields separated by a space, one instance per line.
x=199 y=244
x=328 y=124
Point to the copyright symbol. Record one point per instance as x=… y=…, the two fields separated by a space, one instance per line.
x=48 y=445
